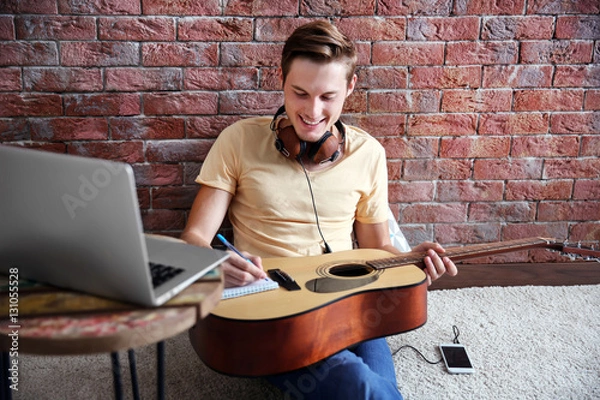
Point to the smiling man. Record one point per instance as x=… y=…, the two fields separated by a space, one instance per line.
x=302 y=183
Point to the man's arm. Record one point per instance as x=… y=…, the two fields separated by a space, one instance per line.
x=377 y=236
x=206 y=216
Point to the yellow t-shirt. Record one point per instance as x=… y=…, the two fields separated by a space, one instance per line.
x=272 y=212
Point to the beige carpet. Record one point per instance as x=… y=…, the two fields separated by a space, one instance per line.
x=525 y=343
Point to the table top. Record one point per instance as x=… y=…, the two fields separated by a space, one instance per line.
x=53 y=321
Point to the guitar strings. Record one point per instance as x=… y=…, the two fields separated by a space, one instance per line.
x=408 y=346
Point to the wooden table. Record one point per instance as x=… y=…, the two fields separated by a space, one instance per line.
x=52 y=321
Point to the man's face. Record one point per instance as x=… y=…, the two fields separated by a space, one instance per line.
x=314 y=96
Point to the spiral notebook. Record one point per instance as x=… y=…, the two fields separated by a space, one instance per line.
x=254 y=287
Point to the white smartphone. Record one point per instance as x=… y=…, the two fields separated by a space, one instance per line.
x=456 y=358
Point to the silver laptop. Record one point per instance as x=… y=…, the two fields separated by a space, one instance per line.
x=74 y=222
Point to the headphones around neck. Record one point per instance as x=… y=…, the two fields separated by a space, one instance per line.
x=327 y=148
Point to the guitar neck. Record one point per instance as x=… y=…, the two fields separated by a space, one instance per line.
x=467 y=252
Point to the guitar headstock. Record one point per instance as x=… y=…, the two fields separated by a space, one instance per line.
x=586 y=252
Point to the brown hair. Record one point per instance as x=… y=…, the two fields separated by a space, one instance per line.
x=321 y=42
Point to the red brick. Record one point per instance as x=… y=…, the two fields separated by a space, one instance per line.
x=177 y=150
x=585 y=231
x=587 y=189
x=58 y=79
x=7 y=28
x=569 y=211
x=379 y=125
x=445 y=77
x=514 y=123
x=443 y=29
x=590 y=146
x=147 y=128
x=215 y=29
x=577 y=76
x=269 y=78
x=469 y=191
x=405 y=148
x=481 y=53
x=13 y=129
x=478 y=100
x=179 y=54
x=572 y=168
x=129 y=152
x=412 y=101
x=180 y=103
x=570 y=123
x=435 y=169
x=143 y=79
x=143 y=194
x=67 y=129
x=475 y=147
x=442 y=125
x=485 y=7
x=434 y=213
x=28 y=7
x=163 y=220
x=356 y=103
x=242 y=78
x=563 y=7
x=467 y=233
x=248 y=102
x=578 y=27
x=276 y=29
x=371 y=78
x=340 y=7
x=158 y=174
x=592 y=100
x=190 y=172
x=55 y=27
x=518 y=28
x=250 y=54
x=512 y=168
x=261 y=8
x=410 y=192
x=502 y=212
x=136 y=28
x=101 y=7
x=102 y=104
x=424 y=7
x=182 y=7
x=99 y=54
x=556 y=52
x=544 y=146
x=10 y=80
x=517 y=76
x=30 y=105
x=548 y=100
x=539 y=190
x=394 y=168
x=373 y=28
x=408 y=53
x=173 y=197
x=28 y=53
x=208 y=127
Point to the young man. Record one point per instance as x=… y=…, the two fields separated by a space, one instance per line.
x=302 y=183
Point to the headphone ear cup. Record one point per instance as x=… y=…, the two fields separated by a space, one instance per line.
x=325 y=149
x=288 y=143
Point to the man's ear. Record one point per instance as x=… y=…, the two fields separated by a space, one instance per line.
x=280 y=76
x=351 y=85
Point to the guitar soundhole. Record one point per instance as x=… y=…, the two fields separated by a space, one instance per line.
x=351 y=270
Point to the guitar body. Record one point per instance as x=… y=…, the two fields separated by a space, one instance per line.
x=342 y=302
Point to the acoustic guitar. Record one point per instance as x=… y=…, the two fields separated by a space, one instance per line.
x=345 y=298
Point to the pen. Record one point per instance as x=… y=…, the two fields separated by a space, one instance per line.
x=232 y=247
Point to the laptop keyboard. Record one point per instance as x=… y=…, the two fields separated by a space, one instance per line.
x=162 y=273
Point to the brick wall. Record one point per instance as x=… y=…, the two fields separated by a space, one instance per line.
x=489 y=111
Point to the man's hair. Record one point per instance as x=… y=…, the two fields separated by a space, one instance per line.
x=320 y=42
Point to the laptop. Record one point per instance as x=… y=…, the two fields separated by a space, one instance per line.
x=74 y=222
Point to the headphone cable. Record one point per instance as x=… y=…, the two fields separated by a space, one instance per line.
x=327 y=248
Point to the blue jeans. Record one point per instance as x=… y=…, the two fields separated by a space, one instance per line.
x=365 y=371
